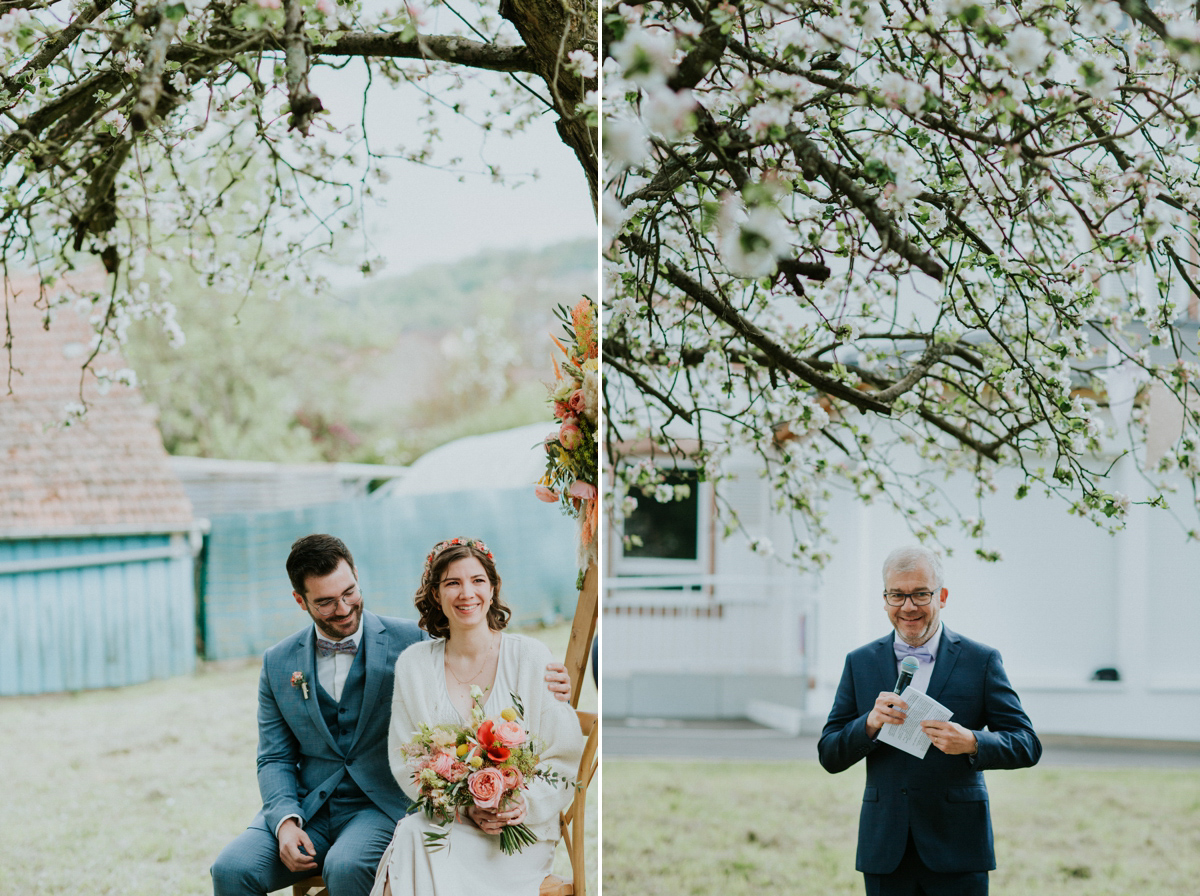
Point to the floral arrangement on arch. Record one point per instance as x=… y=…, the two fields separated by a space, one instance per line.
x=572 y=456
x=485 y=763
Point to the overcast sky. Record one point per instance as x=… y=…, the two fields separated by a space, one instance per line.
x=430 y=215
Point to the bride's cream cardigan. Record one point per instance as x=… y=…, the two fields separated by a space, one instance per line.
x=419 y=678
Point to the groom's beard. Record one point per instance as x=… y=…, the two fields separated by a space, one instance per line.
x=337 y=627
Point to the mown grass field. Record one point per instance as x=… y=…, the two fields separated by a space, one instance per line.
x=134 y=791
x=728 y=829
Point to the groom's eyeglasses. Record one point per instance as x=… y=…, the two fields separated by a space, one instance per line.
x=327 y=606
x=897 y=598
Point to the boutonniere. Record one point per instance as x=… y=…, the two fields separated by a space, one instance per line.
x=299 y=681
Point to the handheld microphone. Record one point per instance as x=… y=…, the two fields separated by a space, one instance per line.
x=908 y=668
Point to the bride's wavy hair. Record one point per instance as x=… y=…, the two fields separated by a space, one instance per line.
x=432 y=618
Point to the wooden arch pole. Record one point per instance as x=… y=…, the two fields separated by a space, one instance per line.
x=583 y=629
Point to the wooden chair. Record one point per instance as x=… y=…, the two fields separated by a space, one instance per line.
x=571 y=822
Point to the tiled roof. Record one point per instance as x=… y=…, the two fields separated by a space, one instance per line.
x=106 y=471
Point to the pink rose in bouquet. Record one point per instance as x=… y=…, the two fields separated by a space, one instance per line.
x=443 y=764
x=513 y=779
x=511 y=734
x=570 y=436
x=583 y=490
x=487 y=787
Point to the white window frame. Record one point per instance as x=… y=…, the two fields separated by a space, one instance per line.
x=623 y=565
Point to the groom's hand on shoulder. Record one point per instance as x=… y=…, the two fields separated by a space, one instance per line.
x=295 y=849
x=558 y=682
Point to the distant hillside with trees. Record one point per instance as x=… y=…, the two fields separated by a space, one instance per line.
x=379 y=373
x=438 y=296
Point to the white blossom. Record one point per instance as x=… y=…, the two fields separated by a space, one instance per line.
x=1100 y=78
x=668 y=113
x=645 y=56
x=612 y=218
x=1026 y=49
x=583 y=62
x=902 y=92
x=626 y=144
x=765 y=116
x=751 y=241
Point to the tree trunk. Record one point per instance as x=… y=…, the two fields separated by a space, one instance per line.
x=552 y=30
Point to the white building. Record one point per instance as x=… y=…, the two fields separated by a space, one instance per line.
x=696 y=626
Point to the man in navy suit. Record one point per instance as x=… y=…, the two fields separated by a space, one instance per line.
x=330 y=802
x=924 y=827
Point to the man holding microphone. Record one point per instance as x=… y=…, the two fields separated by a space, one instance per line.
x=925 y=826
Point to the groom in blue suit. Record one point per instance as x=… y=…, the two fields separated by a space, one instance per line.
x=924 y=827
x=330 y=802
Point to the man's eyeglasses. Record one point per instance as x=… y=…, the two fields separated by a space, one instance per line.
x=327 y=606
x=897 y=598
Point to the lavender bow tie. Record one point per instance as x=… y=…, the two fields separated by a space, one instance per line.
x=329 y=648
x=902 y=650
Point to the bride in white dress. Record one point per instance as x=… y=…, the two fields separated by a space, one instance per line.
x=459 y=604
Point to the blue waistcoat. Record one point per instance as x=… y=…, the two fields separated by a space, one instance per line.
x=341 y=718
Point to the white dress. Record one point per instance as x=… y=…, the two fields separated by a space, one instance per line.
x=472 y=862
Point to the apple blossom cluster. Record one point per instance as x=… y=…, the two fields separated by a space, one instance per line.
x=872 y=246
x=187 y=140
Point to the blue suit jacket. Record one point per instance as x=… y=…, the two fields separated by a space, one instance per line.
x=942 y=799
x=299 y=763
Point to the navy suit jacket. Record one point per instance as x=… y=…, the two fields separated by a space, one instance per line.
x=941 y=799
x=299 y=762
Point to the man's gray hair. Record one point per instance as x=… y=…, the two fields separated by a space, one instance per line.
x=911 y=558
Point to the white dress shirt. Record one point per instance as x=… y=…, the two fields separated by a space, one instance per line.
x=333 y=670
x=925 y=667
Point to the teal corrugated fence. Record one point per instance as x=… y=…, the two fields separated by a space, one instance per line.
x=248 y=604
x=94 y=612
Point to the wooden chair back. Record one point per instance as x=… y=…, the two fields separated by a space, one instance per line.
x=572 y=821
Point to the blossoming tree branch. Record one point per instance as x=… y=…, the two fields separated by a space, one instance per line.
x=876 y=242
x=124 y=123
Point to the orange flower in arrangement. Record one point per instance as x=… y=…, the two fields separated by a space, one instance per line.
x=495 y=750
x=572 y=456
x=583 y=319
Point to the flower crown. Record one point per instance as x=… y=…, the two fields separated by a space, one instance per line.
x=442 y=546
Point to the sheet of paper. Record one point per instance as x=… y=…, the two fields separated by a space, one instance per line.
x=909 y=737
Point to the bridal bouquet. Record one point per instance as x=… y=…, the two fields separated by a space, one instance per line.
x=485 y=763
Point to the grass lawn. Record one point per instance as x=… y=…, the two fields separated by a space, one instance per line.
x=134 y=791
x=729 y=829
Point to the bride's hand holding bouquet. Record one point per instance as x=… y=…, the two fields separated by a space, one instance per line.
x=478 y=770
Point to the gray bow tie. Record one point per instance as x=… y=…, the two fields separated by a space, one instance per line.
x=329 y=648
